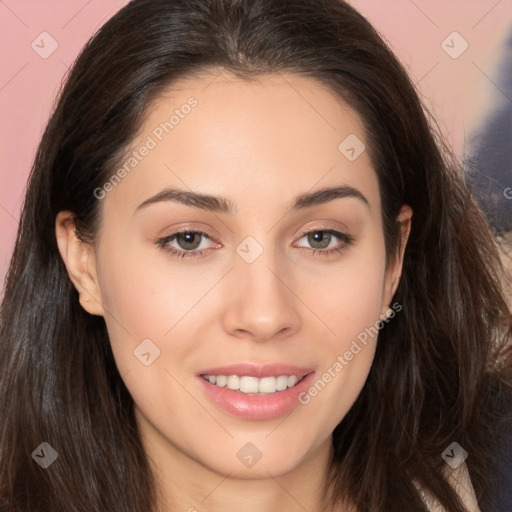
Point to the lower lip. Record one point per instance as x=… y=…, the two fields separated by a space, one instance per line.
x=257 y=407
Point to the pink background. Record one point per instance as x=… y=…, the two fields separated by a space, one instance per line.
x=458 y=91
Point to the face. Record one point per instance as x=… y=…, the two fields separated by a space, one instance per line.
x=220 y=265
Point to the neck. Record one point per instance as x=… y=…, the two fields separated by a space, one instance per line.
x=186 y=484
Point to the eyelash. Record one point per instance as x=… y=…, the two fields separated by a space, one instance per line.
x=347 y=240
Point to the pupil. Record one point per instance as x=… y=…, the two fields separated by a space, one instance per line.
x=188 y=239
x=318 y=236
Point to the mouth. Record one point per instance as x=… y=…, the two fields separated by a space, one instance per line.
x=253 y=385
x=256 y=392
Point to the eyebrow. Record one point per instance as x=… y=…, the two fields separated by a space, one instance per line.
x=219 y=204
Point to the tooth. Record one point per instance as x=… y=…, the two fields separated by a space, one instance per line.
x=252 y=385
x=282 y=382
x=267 y=385
x=292 y=380
x=249 y=384
x=233 y=382
x=222 y=380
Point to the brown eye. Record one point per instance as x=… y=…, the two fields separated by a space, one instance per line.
x=322 y=241
x=188 y=240
x=322 y=238
x=184 y=243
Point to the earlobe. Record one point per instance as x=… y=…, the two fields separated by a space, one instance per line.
x=80 y=261
x=394 y=271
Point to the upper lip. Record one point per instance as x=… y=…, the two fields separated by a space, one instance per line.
x=257 y=370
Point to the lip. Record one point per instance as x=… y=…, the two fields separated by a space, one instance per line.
x=256 y=407
x=257 y=370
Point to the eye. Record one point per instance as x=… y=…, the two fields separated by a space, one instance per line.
x=187 y=243
x=323 y=241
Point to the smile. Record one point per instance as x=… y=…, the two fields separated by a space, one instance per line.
x=253 y=385
x=254 y=391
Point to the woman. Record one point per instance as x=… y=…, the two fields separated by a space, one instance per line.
x=248 y=276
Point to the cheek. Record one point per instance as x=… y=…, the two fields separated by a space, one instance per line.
x=145 y=297
x=349 y=299
x=350 y=305
x=146 y=292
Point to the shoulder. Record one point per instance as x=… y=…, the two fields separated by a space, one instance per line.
x=461 y=482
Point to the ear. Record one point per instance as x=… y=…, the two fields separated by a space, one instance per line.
x=80 y=260
x=395 y=264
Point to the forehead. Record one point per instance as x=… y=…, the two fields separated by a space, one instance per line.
x=279 y=99
x=276 y=136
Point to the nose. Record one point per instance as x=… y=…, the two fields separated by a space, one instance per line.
x=262 y=304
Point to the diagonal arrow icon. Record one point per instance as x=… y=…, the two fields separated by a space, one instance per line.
x=454 y=455
x=146 y=352
x=454 y=45
x=351 y=147
x=45 y=455
x=249 y=254
x=44 y=45
x=249 y=455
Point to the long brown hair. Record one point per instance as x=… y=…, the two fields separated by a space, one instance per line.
x=441 y=371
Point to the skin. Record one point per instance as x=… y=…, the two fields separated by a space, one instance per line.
x=260 y=144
